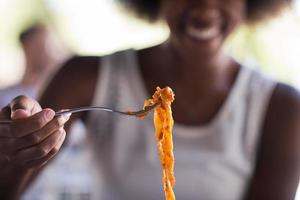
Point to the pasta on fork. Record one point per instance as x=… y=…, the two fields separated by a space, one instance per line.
x=163 y=123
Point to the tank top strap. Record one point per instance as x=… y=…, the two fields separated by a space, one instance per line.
x=259 y=92
x=111 y=68
x=235 y=97
x=107 y=93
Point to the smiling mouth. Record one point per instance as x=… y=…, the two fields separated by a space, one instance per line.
x=203 y=26
x=203 y=33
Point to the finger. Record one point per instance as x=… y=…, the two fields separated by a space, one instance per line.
x=3 y=159
x=41 y=150
x=10 y=144
x=23 y=106
x=51 y=154
x=7 y=145
x=19 y=114
x=22 y=127
x=40 y=162
x=40 y=135
x=5 y=130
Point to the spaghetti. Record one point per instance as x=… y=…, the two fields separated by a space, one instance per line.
x=163 y=123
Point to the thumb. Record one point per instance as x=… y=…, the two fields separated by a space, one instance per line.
x=19 y=113
x=22 y=107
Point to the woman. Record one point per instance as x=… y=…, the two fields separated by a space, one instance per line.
x=236 y=134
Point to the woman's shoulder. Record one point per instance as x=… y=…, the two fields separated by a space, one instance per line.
x=77 y=79
x=278 y=159
x=283 y=115
x=281 y=131
x=78 y=71
x=284 y=107
x=77 y=64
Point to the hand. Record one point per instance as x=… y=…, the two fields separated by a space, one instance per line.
x=33 y=137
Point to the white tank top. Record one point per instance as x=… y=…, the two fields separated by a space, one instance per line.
x=212 y=162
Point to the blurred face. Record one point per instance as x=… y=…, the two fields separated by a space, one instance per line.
x=37 y=52
x=201 y=26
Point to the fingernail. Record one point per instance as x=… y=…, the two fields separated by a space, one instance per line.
x=50 y=114
x=66 y=116
x=19 y=113
x=13 y=112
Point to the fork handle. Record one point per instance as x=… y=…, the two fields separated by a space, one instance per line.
x=81 y=109
x=73 y=110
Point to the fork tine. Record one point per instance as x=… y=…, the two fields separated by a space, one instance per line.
x=144 y=112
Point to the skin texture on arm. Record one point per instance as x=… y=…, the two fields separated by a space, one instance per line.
x=277 y=171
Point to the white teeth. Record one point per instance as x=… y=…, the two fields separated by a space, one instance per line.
x=203 y=33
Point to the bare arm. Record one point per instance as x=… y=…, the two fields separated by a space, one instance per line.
x=73 y=86
x=277 y=171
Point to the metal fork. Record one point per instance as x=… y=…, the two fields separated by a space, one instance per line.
x=139 y=113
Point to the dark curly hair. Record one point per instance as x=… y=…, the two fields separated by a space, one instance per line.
x=257 y=10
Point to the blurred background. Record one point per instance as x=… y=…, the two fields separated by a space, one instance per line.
x=93 y=27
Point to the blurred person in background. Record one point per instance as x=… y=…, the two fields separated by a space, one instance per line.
x=236 y=133
x=42 y=57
